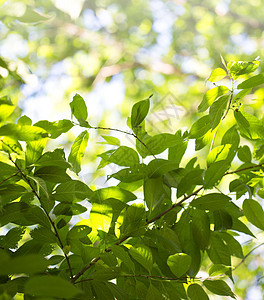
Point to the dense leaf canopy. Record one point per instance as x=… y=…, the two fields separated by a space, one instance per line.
x=131 y=151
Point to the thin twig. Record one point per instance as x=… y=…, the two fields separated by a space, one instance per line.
x=50 y=220
x=125 y=132
x=153 y=277
x=9 y=177
x=244 y=169
x=244 y=258
x=174 y=205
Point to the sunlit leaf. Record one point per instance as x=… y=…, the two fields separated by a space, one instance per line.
x=139 y=112
x=77 y=151
x=217 y=74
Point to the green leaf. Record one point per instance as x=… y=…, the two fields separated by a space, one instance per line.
x=52 y=174
x=195 y=292
x=110 y=140
x=250 y=126
x=219 y=287
x=159 y=167
x=252 y=82
x=23 y=132
x=189 y=181
x=72 y=191
x=29 y=264
x=215 y=172
x=69 y=209
x=139 y=112
x=213 y=201
x=56 y=128
x=234 y=246
x=100 y=217
x=77 y=151
x=254 y=213
x=12 y=238
x=218 y=153
x=50 y=286
x=43 y=235
x=217 y=75
x=218 y=269
x=6 y=170
x=34 y=150
x=124 y=156
x=222 y=220
x=200 y=127
x=158 y=144
x=201 y=228
x=179 y=263
x=217 y=110
x=122 y=254
x=10 y=192
x=113 y=192
x=78 y=108
x=218 y=251
x=142 y=255
x=244 y=154
x=55 y=158
x=210 y=96
x=153 y=293
x=154 y=193
x=238 y=68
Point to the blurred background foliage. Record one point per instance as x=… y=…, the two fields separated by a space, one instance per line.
x=115 y=53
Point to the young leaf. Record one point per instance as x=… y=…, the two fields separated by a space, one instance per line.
x=77 y=151
x=252 y=82
x=139 y=112
x=195 y=292
x=254 y=213
x=238 y=68
x=213 y=201
x=217 y=75
x=219 y=287
x=110 y=140
x=56 y=128
x=179 y=263
x=78 y=108
x=210 y=96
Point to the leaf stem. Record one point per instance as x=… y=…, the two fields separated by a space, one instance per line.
x=48 y=216
x=125 y=132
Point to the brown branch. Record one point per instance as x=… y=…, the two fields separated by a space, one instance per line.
x=153 y=277
x=50 y=220
x=174 y=205
x=244 y=169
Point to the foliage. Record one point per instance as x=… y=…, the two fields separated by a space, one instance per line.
x=122 y=248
